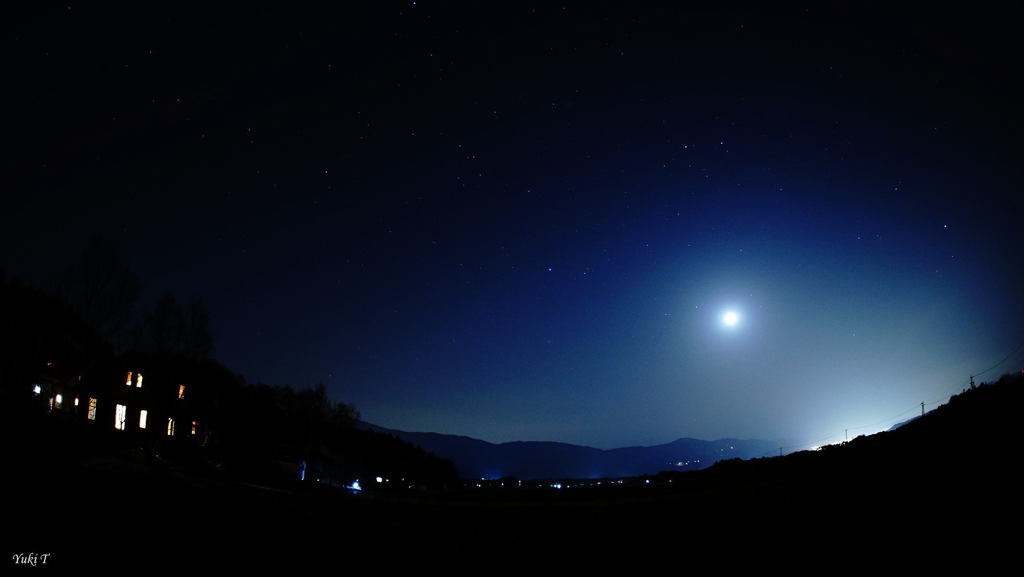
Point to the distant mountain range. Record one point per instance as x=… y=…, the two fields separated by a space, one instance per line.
x=901 y=423
x=476 y=459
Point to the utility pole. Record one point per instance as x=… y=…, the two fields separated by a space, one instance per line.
x=847 y=435
x=922 y=409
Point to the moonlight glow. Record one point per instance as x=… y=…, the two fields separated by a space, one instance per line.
x=730 y=318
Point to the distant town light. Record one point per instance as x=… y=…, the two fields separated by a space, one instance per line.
x=128 y=379
x=37 y=389
x=138 y=383
x=142 y=418
x=91 y=415
x=58 y=400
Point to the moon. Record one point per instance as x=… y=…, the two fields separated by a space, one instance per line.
x=730 y=318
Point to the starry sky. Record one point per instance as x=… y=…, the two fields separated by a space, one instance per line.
x=526 y=220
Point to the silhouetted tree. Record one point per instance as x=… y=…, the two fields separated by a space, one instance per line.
x=101 y=290
x=164 y=328
x=169 y=329
x=39 y=334
x=198 y=338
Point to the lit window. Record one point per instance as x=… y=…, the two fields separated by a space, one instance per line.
x=120 y=416
x=58 y=401
x=181 y=391
x=170 y=427
x=37 y=389
x=138 y=383
x=142 y=418
x=92 y=409
x=76 y=401
x=194 y=427
x=128 y=381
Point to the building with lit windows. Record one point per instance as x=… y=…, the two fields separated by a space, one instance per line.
x=151 y=401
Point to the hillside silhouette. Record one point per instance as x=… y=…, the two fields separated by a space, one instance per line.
x=955 y=462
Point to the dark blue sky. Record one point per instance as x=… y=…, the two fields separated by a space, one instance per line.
x=524 y=222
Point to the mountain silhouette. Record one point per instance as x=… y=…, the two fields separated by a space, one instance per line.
x=477 y=459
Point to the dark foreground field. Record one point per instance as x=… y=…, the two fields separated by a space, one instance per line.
x=940 y=489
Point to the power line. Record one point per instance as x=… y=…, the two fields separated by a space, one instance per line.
x=1006 y=358
x=894 y=418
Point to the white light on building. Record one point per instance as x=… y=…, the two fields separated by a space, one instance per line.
x=119 y=417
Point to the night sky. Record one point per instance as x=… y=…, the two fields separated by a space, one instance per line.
x=526 y=221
